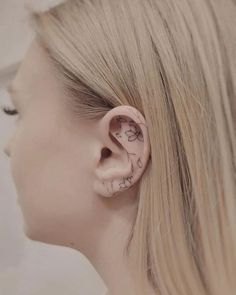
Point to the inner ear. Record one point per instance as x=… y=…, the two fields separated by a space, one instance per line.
x=105 y=153
x=115 y=129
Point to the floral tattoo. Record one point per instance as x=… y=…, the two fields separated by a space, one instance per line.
x=130 y=130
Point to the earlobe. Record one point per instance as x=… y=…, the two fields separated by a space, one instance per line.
x=124 y=132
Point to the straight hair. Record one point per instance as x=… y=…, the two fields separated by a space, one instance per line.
x=175 y=62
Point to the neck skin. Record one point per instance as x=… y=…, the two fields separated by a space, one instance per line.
x=110 y=263
x=107 y=257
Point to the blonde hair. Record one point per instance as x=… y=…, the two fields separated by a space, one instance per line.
x=175 y=62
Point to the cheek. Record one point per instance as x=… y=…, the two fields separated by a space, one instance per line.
x=52 y=183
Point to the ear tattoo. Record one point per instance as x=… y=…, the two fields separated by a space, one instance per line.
x=133 y=133
x=130 y=131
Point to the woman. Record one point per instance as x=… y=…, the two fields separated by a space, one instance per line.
x=124 y=147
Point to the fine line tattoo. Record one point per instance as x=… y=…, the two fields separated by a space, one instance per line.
x=133 y=133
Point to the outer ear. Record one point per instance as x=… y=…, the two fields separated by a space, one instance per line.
x=125 y=136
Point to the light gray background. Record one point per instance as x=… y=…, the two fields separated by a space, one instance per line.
x=28 y=267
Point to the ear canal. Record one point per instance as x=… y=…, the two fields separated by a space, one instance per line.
x=105 y=153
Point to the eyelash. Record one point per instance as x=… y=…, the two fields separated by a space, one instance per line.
x=9 y=111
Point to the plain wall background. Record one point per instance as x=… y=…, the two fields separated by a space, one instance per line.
x=28 y=267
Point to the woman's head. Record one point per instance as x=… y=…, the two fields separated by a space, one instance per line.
x=63 y=165
x=162 y=72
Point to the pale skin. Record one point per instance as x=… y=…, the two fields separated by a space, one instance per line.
x=69 y=193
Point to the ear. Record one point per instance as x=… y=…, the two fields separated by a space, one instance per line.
x=125 y=153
